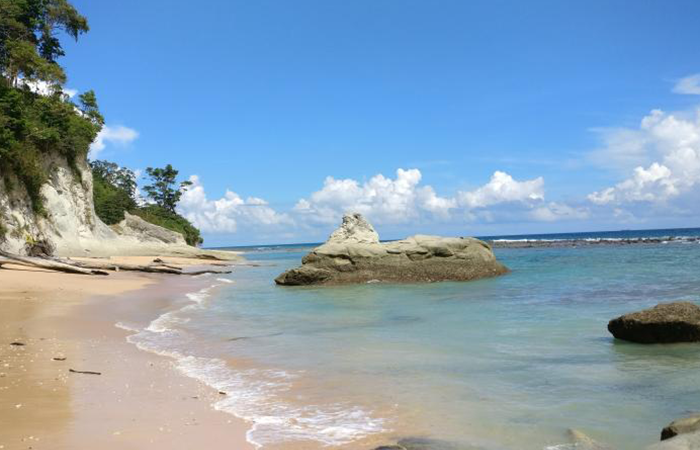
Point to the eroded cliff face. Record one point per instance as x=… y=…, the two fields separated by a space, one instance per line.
x=70 y=225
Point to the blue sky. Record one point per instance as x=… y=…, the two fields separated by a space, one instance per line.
x=266 y=99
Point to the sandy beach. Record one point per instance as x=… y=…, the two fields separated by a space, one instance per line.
x=53 y=323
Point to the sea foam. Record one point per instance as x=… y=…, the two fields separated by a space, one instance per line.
x=254 y=395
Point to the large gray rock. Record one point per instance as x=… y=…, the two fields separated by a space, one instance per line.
x=688 y=441
x=664 y=323
x=354 y=254
x=681 y=426
x=146 y=232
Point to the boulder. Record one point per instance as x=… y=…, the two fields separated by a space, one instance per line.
x=687 y=441
x=681 y=426
x=353 y=254
x=664 y=323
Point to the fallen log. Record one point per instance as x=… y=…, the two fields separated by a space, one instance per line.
x=202 y=272
x=152 y=268
x=107 y=265
x=42 y=263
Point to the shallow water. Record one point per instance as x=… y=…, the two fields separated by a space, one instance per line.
x=504 y=363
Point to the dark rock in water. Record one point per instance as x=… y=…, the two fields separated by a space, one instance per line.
x=664 y=323
x=681 y=426
x=420 y=443
x=353 y=254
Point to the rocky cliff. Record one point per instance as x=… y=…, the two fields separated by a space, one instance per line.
x=353 y=254
x=70 y=226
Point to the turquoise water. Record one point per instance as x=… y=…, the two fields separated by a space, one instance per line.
x=503 y=363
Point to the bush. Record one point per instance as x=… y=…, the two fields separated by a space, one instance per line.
x=110 y=202
x=172 y=221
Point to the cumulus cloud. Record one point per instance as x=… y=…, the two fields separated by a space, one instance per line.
x=554 y=211
x=503 y=188
x=689 y=85
x=672 y=142
x=227 y=214
x=118 y=135
x=401 y=199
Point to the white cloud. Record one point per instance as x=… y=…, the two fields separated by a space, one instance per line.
x=43 y=88
x=672 y=142
x=403 y=199
x=503 y=188
x=689 y=85
x=554 y=211
x=118 y=135
x=228 y=213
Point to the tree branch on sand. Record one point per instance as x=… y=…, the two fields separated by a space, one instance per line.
x=96 y=267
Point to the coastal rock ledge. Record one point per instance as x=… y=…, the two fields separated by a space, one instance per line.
x=353 y=254
x=663 y=324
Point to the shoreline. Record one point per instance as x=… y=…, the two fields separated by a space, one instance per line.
x=60 y=322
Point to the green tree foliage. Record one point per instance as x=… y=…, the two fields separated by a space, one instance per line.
x=162 y=189
x=29 y=43
x=160 y=216
x=114 y=191
x=34 y=126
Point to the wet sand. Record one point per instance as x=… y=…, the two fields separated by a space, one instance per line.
x=59 y=322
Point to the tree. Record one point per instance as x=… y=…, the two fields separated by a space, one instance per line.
x=88 y=103
x=162 y=190
x=114 y=191
x=29 y=43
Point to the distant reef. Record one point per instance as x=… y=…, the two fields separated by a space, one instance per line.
x=353 y=254
x=534 y=243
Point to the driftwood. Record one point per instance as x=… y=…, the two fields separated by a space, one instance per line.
x=97 y=267
x=42 y=263
x=86 y=372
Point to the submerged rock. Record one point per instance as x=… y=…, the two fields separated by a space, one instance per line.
x=353 y=254
x=419 y=443
x=582 y=441
x=681 y=426
x=664 y=323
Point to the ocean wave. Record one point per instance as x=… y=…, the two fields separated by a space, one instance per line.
x=254 y=395
x=123 y=326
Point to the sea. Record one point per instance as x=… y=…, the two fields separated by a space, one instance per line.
x=506 y=363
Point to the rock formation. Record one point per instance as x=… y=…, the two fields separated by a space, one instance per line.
x=353 y=254
x=681 y=426
x=664 y=323
x=70 y=226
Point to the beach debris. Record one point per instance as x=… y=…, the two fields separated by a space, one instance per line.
x=56 y=358
x=222 y=393
x=84 y=372
x=97 y=267
x=664 y=323
x=681 y=426
x=44 y=263
x=18 y=344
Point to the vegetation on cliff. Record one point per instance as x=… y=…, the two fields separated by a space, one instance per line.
x=114 y=191
x=39 y=123
x=36 y=118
